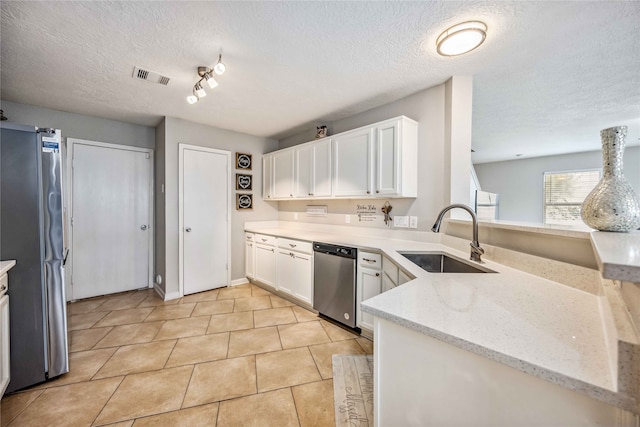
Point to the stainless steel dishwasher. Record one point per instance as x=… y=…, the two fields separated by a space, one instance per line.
x=334 y=286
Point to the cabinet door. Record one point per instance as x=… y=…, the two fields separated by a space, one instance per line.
x=304 y=171
x=403 y=278
x=267 y=176
x=352 y=153
x=265 y=266
x=5 y=369
x=303 y=277
x=387 y=159
x=286 y=271
x=283 y=174
x=387 y=283
x=321 y=178
x=369 y=285
x=249 y=257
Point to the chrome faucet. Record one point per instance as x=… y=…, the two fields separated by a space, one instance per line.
x=476 y=250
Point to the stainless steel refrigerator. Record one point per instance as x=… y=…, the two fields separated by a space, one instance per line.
x=31 y=232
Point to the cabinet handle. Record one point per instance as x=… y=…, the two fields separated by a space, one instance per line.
x=264 y=240
x=369 y=260
x=292 y=245
x=291 y=254
x=311 y=194
x=3 y=288
x=272 y=250
x=377 y=191
x=290 y=195
x=368 y=192
x=377 y=274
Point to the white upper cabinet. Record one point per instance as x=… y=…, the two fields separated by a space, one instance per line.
x=396 y=161
x=267 y=176
x=379 y=160
x=283 y=182
x=352 y=155
x=313 y=169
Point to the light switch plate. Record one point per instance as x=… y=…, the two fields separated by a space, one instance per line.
x=400 y=221
x=413 y=222
x=347 y=219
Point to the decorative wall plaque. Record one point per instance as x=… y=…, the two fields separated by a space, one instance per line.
x=243 y=161
x=244 y=182
x=244 y=201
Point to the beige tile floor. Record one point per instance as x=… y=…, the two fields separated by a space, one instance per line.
x=236 y=356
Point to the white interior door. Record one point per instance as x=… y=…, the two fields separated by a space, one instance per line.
x=205 y=218
x=111 y=218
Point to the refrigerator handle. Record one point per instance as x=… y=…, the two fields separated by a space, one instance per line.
x=64 y=259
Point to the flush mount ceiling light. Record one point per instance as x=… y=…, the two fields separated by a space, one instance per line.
x=461 y=38
x=206 y=75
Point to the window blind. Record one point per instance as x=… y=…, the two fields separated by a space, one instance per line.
x=564 y=193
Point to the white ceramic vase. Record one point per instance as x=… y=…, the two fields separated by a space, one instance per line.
x=612 y=205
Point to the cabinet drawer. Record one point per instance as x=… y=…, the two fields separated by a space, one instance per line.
x=4 y=284
x=370 y=260
x=248 y=237
x=295 y=245
x=390 y=270
x=264 y=239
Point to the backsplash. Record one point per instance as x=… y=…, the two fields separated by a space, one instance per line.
x=365 y=213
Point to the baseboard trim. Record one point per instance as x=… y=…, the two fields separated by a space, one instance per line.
x=159 y=290
x=172 y=295
x=239 y=281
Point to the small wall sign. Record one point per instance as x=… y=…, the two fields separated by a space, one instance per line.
x=244 y=201
x=243 y=161
x=244 y=182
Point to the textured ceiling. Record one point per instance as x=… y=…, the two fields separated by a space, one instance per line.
x=549 y=76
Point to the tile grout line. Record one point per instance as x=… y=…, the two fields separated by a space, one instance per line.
x=108 y=400
x=184 y=396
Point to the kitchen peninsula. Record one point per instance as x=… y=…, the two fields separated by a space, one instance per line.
x=513 y=347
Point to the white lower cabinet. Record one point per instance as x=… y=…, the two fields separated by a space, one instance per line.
x=369 y=284
x=249 y=256
x=393 y=275
x=265 y=259
x=5 y=369
x=295 y=269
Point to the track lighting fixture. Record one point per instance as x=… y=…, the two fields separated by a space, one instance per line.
x=206 y=75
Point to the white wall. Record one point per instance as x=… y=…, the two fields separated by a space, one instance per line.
x=160 y=203
x=429 y=108
x=81 y=126
x=520 y=182
x=181 y=131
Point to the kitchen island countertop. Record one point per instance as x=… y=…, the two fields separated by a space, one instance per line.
x=537 y=326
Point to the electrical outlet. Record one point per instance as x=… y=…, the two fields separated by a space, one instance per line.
x=347 y=219
x=413 y=222
x=400 y=221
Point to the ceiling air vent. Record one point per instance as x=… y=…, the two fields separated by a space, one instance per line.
x=150 y=76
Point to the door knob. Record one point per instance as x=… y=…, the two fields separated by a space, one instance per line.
x=143 y=227
x=188 y=229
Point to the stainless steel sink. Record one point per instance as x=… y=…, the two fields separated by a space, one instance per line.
x=439 y=262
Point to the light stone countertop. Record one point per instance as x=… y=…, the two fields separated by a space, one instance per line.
x=618 y=254
x=537 y=326
x=6 y=266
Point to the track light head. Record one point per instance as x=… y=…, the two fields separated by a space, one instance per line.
x=192 y=99
x=210 y=80
x=199 y=90
x=219 y=68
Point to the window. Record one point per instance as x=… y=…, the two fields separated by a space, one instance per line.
x=564 y=193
